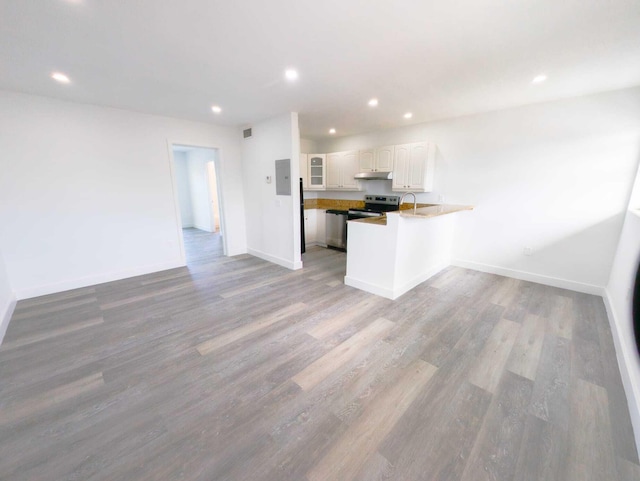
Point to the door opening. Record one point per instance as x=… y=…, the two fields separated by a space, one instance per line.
x=199 y=199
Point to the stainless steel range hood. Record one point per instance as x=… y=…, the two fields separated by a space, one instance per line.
x=374 y=176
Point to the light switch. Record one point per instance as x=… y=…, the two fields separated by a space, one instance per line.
x=268 y=179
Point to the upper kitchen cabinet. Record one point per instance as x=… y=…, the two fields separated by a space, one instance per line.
x=367 y=160
x=413 y=166
x=377 y=160
x=304 y=171
x=317 y=168
x=341 y=170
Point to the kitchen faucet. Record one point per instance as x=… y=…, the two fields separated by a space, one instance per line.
x=414 y=200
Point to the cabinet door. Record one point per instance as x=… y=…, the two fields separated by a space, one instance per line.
x=417 y=165
x=317 y=171
x=334 y=170
x=310 y=226
x=384 y=158
x=367 y=160
x=304 y=173
x=350 y=167
x=400 y=167
x=421 y=163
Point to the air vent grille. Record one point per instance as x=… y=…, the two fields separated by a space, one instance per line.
x=246 y=133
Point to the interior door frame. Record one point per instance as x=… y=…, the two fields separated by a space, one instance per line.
x=174 y=185
x=212 y=211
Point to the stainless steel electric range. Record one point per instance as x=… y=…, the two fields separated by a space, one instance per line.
x=375 y=206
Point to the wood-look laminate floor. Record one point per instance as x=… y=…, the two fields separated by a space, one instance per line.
x=237 y=369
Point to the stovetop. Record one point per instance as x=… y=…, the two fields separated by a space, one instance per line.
x=379 y=204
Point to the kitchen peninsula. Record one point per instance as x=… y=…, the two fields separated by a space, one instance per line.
x=390 y=255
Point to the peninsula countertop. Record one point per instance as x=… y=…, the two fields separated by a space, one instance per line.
x=423 y=211
x=432 y=210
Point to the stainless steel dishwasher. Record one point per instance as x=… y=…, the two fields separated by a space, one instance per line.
x=336 y=229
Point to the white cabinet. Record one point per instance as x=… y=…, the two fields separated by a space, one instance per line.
x=334 y=170
x=341 y=170
x=377 y=160
x=400 y=167
x=367 y=160
x=413 y=166
x=384 y=158
x=314 y=227
x=310 y=226
x=304 y=171
x=317 y=171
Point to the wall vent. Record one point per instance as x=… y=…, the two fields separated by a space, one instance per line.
x=246 y=133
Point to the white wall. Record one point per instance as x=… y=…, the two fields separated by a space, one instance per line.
x=7 y=299
x=618 y=299
x=555 y=177
x=184 y=190
x=86 y=192
x=308 y=146
x=273 y=221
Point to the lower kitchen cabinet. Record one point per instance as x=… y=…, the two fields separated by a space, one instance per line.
x=314 y=227
x=310 y=226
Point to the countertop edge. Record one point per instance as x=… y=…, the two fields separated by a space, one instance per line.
x=432 y=211
x=421 y=213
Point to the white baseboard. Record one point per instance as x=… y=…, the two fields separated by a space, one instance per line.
x=528 y=276
x=314 y=243
x=418 y=280
x=236 y=252
x=202 y=227
x=625 y=359
x=6 y=317
x=93 y=280
x=293 y=265
x=393 y=294
x=372 y=288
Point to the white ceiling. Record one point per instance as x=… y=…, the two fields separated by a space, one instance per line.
x=437 y=59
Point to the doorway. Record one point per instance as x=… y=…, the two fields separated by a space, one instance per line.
x=198 y=199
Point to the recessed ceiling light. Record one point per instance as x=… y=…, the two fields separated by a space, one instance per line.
x=373 y=103
x=539 y=78
x=216 y=109
x=408 y=115
x=332 y=131
x=60 y=77
x=291 y=74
